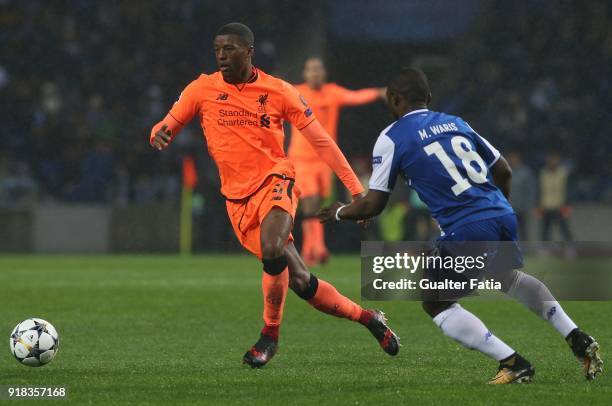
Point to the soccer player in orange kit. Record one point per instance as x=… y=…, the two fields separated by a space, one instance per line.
x=241 y=110
x=313 y=176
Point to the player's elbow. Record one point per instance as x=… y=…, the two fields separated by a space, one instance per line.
x=375 y=210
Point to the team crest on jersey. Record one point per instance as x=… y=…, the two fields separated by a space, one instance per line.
x=262 y=100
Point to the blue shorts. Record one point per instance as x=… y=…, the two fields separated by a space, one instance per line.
x=497 y=236
x=494 y=241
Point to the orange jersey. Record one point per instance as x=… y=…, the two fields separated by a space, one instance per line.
x=326 y=103
x=243 y=126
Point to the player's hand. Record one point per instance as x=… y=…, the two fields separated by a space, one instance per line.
x=162 y=138
x=328 y=214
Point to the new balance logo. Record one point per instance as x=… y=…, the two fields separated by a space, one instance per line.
x=222 y=96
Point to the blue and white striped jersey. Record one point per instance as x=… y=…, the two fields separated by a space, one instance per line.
x=445 y=161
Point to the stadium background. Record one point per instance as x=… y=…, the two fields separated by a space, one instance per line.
x=82 y=82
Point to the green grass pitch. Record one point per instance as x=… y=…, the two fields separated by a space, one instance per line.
x=169 y=330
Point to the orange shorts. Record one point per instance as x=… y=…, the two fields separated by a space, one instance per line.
x=246 y=215
x=313 y=177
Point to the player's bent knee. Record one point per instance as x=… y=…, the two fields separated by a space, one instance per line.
x=298 y=282
x=270 y=250
x=304 y=285
x=435 y=308
x=274 y=266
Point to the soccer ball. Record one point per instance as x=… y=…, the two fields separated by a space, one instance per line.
x=34 y=342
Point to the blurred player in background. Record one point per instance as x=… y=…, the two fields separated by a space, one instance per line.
x=553 y=197
x=465 y=182
x=242 y=110
x=314 y=176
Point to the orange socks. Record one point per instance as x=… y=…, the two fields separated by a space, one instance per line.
x=328 y=300
x=274 y=284
x=274 y=292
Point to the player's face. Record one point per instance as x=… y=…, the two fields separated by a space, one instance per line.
x=233 y=57
x=314 y=73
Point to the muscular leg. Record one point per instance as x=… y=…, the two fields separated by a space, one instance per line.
x=277 y=254
x=325 y=298
x=299 y=276
x=318 y=293
x=275 y=229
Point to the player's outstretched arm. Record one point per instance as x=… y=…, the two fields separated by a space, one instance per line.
x=502 y=174
x=360 y=209
x=330 y=153
x=183 y=110
x=362 y=96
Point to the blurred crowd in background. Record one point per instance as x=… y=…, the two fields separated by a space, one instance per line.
x=535 y=77
x=82 y=82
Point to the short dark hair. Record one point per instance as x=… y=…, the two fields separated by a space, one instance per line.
x=411 y=83
x=242 y=31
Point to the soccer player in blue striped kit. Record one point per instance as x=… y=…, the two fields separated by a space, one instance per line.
x=465 y=182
